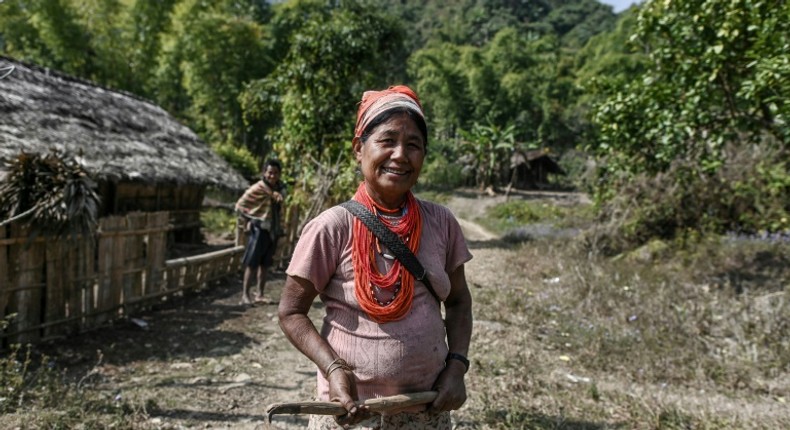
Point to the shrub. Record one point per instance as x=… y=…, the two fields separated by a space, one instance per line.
x=748 y=193
x=218 y=221
x=439 y=172
x=240 y=158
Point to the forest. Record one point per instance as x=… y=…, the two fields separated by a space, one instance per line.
x=673 y=115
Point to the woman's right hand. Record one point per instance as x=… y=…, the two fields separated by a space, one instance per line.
x=342 y=389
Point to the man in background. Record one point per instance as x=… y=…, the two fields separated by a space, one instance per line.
x=259 y=211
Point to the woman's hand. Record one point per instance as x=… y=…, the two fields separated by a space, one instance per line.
x=277 y=197
x=451 y=387
x=343 y=389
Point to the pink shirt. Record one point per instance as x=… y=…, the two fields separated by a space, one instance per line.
x=391 y=358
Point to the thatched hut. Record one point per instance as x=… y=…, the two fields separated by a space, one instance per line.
x=531 y=169
x=142 y=158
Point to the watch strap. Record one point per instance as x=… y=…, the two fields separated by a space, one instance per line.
x=459 y=357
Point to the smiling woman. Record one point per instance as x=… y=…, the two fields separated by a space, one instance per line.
x=383 y=332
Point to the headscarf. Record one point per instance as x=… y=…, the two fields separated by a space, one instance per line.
x=375 y=103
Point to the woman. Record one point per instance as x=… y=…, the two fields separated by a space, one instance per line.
x=383 y=332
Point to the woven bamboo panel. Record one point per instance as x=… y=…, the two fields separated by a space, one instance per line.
x=29 y=258
x=63 y=286
x=59 y=275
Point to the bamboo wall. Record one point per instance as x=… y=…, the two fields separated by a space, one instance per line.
x=60 y=288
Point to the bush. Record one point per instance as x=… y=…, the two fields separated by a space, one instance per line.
x=218 y=221
x=240 y=158
x=439 y=173
x=579 y=170
x=748 y=193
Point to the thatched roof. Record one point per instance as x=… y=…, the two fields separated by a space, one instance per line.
x=536 y=155
x=121 y=137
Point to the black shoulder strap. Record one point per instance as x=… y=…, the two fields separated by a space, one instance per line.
x=392 y=241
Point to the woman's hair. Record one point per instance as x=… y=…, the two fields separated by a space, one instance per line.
x=386 y=115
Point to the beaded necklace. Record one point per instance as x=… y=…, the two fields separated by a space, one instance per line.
x=367 y=277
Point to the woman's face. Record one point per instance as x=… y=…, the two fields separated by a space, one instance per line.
x=391 y=159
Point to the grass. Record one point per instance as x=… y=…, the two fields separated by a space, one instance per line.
x=31 y=383
x=509 y=218
x=635 y=344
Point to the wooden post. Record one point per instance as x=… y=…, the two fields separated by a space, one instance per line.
x=72 y=285
x=87 y=281
x=156 y=252
x=134 y=266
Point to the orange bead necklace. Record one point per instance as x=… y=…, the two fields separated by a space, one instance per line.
x=365 y=245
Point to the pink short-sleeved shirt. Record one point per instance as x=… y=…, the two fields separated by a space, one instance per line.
x=391 y=358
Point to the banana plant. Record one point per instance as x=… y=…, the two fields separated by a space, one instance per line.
x=490 y=145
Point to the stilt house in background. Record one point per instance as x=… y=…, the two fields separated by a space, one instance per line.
x=142 y=158
x=531 y=169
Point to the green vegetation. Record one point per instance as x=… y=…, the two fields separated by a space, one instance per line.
x=282 y=80
x=218 y=221
x=517 y=213
x=699 y=140
x=671 y=95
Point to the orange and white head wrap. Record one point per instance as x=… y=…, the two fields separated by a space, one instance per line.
x=374 y=103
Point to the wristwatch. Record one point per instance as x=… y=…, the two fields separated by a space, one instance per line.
x=459 y=357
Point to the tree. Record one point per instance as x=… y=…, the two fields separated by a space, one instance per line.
x=707 y=121
x=442 y=85
x=717 y=75
x=337 y=53
x=48 y=33
x=207 y=59
x=147 y=21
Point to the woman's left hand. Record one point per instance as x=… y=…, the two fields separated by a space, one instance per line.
x=458 y=321
x=451 y=387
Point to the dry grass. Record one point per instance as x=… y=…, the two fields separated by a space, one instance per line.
x=695 y=339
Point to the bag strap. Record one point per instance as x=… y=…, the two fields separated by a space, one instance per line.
x=392 y=241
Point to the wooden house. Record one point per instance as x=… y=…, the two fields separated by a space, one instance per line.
x=531 y=169
x=142 y=158
x=152 y=173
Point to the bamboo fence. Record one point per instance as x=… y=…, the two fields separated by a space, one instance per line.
x=55 y=288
